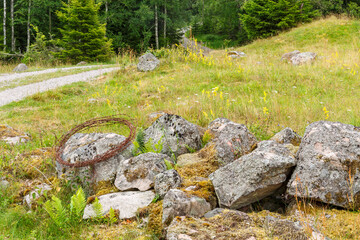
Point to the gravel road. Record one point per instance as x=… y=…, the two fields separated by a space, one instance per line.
x=13 y=76
x=19 y=93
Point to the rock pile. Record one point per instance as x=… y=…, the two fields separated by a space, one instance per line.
x=325 y=168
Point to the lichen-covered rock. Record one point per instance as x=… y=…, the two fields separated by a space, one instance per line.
x=288 y=229
x=287 y=135
x=83 y=147
x=178 y=203
x=147 y=62
x=36 y=194
x=12 y=136
x=167 y=180
x=139 y=172
x=253 y=176
x=232 y=224
x=301 y=58
x=214 y=212
x=177 y=135
x=231 y=140
x=289 y=55
x=228 y=224
x=126 y=202
x=20 y=68
x=328 y=167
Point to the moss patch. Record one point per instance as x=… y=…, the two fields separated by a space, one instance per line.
x=154 y=211
x=197 y=174
x=102 y=188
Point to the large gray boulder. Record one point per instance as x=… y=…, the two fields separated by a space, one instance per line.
x=302 y=58
x=20 y=68
x=177 y=135
x=83 y=147
x=328 y=167
x=167 y=180
x=147 y=62
x=126 y=202
x=178 y=203
x=140 y=172
x=253 y=176
x=231 y=140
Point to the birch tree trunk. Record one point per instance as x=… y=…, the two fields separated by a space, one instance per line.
x=156 y=27
x=4 y=25
x=165 y=19
x=12 y=27
x=106 y=11
x=50 y=21
x=28 y=27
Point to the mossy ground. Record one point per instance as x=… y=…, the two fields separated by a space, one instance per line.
x=259 y=91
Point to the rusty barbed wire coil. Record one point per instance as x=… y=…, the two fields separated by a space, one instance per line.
x=96 y=122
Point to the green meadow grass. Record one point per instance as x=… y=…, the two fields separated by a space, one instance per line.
x=259 y=91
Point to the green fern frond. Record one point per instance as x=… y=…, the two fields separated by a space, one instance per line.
x=96 y=205
x=140 y=139
x=159 y=145
x=77 y=205
x=168 y=164
x=112 y=216
x=56 y=211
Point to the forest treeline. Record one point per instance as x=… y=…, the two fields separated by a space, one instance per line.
x=138 y=25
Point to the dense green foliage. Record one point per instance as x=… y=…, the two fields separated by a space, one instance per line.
x=263 y=18
x=238 y=21
x=140 y=25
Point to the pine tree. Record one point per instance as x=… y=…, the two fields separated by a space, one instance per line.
x=83 y=37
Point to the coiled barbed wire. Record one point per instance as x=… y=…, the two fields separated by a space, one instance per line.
x=96 y=122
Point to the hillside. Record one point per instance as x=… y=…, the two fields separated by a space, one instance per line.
x=260 y=91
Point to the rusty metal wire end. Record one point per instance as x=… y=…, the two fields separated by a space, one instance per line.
x=97 y=122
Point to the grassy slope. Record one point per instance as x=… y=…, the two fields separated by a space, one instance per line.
x=259 y=91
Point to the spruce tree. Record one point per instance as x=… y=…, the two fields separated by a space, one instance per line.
x=83 y=37
x=264 y=18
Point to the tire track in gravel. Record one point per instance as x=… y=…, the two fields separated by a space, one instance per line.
x=19 y=93
x=14 y=76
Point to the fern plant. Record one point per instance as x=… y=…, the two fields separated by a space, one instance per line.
x=140 y=146
x=65 y=216
x=57 y=212
x=77 y=206
x=96 y=205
